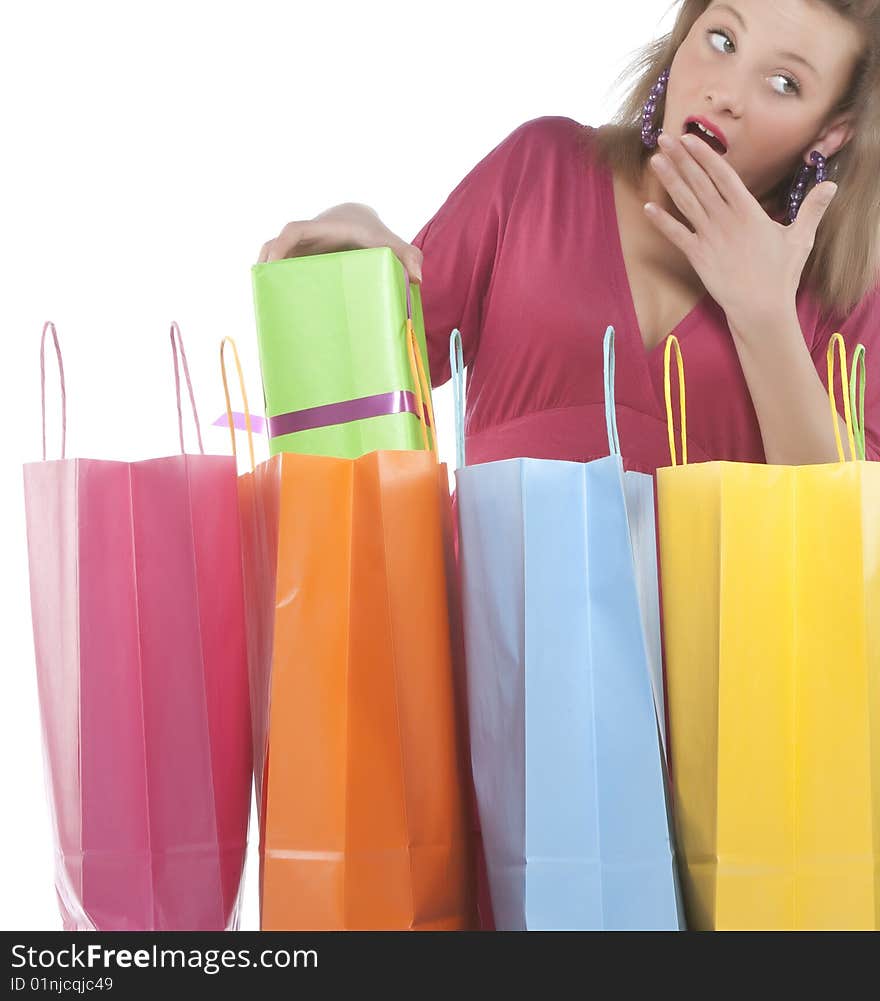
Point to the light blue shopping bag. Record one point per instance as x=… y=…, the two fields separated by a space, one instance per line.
x=560 y=639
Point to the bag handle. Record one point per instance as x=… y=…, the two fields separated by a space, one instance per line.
x=610 y=403
x=247 y=413
x=49 y=325
x=857 y=381
x=672 y=343
x=420 y=380
x=838 y=342
x=177 y=346
x=456 y=367
x=848 y=391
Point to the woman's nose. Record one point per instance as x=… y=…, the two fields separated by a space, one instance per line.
x=724 y=99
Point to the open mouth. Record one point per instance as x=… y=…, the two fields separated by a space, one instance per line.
x=697 y=128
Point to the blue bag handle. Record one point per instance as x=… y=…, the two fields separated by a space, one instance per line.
x=610 y=406
x=456 y=366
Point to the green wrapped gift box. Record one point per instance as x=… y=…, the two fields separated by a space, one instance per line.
x=338 y=370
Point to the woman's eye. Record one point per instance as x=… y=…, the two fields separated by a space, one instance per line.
x=789 y=86
x=721 y=41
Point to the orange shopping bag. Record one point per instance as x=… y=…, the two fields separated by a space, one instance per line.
x=358 y=761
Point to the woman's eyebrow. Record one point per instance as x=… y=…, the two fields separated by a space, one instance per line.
x=792 y=56
x=731 y=10
x=795 y=58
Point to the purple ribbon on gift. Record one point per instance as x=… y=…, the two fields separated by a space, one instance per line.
x=381 y=405
x=239 y=422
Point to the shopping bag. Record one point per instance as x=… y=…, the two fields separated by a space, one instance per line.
x=565 y=746
x=772 y=638
x=359 y=769
x=139 y=632
x=340 y=336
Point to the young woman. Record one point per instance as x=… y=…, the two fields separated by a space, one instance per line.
x=735 y=201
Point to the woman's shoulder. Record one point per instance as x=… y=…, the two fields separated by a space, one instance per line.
x=539 y=150
x=551 y=135
x=860 y=322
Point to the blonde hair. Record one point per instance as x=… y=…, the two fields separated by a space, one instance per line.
x=844 y=263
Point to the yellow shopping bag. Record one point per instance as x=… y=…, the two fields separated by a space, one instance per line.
x=771 y=601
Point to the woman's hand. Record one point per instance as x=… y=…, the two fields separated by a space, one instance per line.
x=350 y=226
x=750 y=264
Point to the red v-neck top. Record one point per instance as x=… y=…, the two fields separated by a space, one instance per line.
x=525 y=258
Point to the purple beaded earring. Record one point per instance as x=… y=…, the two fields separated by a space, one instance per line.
x=649 y=133
x=799 y=188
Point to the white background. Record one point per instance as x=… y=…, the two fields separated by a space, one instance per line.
x=149 y=150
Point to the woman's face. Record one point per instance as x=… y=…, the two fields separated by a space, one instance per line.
x=767 y=75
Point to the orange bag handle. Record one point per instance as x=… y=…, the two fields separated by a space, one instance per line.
x=421 y=384
x=247 y=413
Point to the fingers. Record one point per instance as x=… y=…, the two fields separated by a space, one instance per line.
x=810 y=213
x=728 y=183
x=327 y=235
x=677 y=234
x=284 y=244
x=266 y=250
x=276 y=251
x=411 y=258
x=693 y=172
x=680 y=191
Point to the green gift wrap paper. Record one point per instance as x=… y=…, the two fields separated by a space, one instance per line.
x=334 y=354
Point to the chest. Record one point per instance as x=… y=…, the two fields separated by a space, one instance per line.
x=663 y=287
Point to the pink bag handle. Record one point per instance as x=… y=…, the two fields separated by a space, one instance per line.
x=177 y=345
x=49 y=325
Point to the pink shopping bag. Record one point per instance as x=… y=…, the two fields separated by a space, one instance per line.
x=138 y=616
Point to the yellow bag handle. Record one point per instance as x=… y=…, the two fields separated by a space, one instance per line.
x=838 y=341
x=672 y=342
x=857 y=398
x=422 y=391
x=247 y=413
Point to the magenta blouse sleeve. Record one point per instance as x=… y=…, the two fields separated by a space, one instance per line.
x=459 y=245
x=861 y=326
